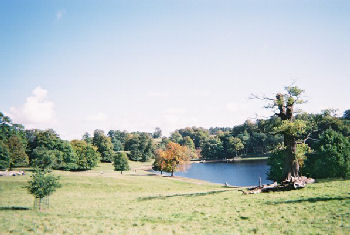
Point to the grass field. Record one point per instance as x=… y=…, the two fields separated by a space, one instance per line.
x=103 y=201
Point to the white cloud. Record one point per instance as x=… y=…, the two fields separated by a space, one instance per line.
x=97 y=117
x=38 y=110
x=60 y=14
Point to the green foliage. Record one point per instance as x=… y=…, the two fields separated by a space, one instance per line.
x=212 y=149
x=13 y=144
x=157 y=133
x=346 y=114
x=140 y=146
x=58 y=150
x=158 y=164
x=18 y=156
x=293 y=128
x=176 y=137
x=236 y=145
x=187 y=141
x=120 y=162
x=42 y=184
x=118 y=139
x=104 y=145
x=87 y=138
x=44 y=158
x=276 y=163
x=301 y=153
x=4 y=156
x=87 y=155
x=331 y=157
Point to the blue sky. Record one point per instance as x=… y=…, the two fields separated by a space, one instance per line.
x=76 y=66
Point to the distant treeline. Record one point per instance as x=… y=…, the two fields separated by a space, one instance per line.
x=45 y=149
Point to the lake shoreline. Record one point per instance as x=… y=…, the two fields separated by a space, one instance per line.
x=238 y=159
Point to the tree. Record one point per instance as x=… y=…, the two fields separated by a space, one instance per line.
x=87 y=155
x=120 y=162
x=331 y=156
x=104 y=145
x=159 y=163
x=176 y=137
x=212 y=148
x=42 y=185
x=118 y=139
x=4 y=156
x=174 y=157
x=290 y=128
x=44 y=158
x=87 y=138
x=347 y=114
x=140 y=146
x=60 y=150
x=236 y=145
x=157 y=133
x=18 y=156
x=187 y=141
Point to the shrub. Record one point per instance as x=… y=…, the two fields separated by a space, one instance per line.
x=42 y=184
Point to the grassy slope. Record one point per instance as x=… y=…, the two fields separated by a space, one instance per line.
x=137 y=203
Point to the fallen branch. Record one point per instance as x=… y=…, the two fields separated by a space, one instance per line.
x=294 y=183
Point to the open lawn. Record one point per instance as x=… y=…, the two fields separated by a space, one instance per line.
x=104 y=201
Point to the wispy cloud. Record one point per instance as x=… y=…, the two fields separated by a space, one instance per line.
x=60 y=14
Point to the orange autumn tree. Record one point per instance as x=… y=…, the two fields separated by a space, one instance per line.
x=174 y=158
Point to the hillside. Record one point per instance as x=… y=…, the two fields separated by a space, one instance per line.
x=103 y=201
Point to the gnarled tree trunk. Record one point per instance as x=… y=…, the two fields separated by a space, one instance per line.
x=291 y=167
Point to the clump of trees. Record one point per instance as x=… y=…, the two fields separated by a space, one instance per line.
x=314 y=145
x=13 y=144
x=140 y=146
x=87 y=155
x=104 y=145
x=120 y=162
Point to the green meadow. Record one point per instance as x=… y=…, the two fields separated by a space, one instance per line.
x=102 y=201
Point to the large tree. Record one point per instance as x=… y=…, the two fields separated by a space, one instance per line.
x=175 y=157
x=87 y=155
x=291 y=129
x=120 y=162
x=140 y=146
x=104 y=145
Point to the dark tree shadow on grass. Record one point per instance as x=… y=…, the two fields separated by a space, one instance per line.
x=311 y=199
x=181 y=195
x=14 y=208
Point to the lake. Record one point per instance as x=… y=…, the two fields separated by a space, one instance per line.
x=239 y=173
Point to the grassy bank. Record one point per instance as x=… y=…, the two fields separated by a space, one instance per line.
x=137 y=202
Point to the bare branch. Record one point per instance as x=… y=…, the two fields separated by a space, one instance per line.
x=254 y=96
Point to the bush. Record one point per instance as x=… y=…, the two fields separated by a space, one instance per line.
x=331 y=157
x=276 y=163
x=120 y=162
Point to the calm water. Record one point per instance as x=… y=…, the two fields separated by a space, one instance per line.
x=245 y=173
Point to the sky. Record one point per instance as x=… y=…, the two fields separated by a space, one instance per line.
x=81 y=65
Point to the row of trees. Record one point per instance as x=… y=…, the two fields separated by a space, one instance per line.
x=312 y=144
x=221 y=143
